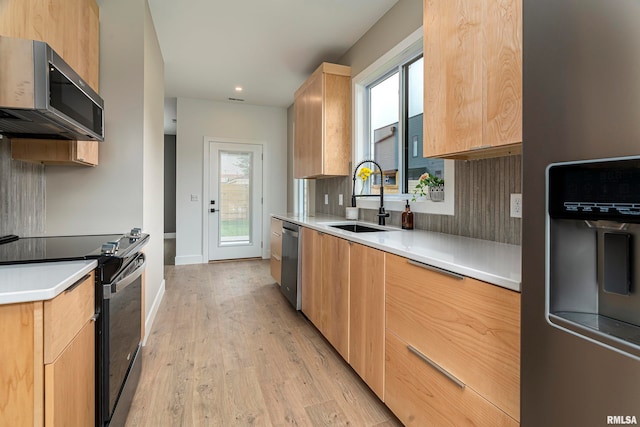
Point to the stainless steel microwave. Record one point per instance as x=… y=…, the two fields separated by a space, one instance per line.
x=41 y=96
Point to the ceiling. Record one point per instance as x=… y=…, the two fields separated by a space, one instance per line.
x=268 y=47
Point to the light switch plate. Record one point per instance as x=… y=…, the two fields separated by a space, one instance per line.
x=516 y=205
x=340 y=200
x=326 y=199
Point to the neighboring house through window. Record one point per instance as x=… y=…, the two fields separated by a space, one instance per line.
x=388 y=128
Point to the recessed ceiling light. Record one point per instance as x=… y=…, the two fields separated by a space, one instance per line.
x=238 y=88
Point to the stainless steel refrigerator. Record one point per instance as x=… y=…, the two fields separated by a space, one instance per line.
x=581 y=213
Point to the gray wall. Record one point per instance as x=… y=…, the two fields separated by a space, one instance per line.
x=22 y=202
x=169 y=183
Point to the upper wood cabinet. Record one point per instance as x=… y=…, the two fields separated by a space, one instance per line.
x=55 y=151
x=472 y=78
x=322 y=128
x=70 y=27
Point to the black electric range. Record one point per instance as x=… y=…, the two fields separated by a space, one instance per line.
x=112 y=251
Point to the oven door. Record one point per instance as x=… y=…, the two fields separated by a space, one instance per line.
x=121 y=336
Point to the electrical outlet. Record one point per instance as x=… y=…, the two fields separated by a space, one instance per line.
x=340 y=200
x=516 y=205
x=326 y=199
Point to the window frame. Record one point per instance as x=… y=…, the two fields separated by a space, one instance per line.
x=402 y=54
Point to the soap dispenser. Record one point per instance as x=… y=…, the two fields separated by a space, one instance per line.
x=407 y=218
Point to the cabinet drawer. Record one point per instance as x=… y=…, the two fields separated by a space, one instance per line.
x=470 y=328
x=276 y=238
x=276 y=269
x=420 y=395
x=70 y=383
x=66 y=314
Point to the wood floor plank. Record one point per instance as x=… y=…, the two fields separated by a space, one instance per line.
x=226 y=349
x=327 y=414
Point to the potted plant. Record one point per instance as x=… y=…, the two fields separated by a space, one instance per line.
x=429 y=185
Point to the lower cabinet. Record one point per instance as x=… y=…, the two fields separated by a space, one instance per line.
x=452 y=348
x=366 y=316
x=68 y=394
x=325 y=286
x=276 y=250
x=421 y=395
x=47 y=372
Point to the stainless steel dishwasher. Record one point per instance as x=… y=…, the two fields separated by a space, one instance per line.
x=291 y=247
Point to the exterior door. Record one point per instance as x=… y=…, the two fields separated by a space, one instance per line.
x=235 y=203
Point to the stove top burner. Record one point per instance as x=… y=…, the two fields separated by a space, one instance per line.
x=68 y=248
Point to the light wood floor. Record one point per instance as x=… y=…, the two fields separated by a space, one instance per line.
x=227 y=350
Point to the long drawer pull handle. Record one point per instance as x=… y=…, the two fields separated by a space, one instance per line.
x=436 y=269
x=77 y=283
x=437 y=367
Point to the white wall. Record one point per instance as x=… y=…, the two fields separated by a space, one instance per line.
x=153 y=167
x=108 y=198
x=126 y=189
x=201 y=118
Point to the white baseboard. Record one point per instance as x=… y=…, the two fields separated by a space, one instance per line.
x=188 y=259
x=148 y=322
x=169 y=235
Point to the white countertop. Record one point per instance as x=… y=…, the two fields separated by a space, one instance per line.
x=40 y=281
x=492 y=262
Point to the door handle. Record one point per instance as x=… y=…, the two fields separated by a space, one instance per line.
x=212 y=210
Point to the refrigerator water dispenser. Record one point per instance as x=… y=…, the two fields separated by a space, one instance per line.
x=592 y=260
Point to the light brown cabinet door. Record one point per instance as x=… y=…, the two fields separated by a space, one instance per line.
x=70 y=27
x=366 y=315
x=276 y=250
x=55 y=152
x=308 y=143
x=322 y=123
x=420 y=395
x=469 y=328
x=70 y=383
x=311 y=286
x=21 y=369
x=472 y=77
x=335 y=293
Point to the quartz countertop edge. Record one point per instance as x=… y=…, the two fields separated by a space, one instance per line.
x=492 y=262
x=40 y=281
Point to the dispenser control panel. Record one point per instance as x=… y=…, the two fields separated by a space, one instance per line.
x=595 y=190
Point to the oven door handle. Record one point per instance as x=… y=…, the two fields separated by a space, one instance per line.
x=120 y=284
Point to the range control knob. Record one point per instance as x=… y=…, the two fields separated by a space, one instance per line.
x=109 y=248
x=135 y=233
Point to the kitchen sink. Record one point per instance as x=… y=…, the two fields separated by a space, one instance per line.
x=357 y=228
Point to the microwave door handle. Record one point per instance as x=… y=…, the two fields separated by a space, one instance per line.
x=119 y=285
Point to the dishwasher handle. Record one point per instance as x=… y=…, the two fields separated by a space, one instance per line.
x=290 y=232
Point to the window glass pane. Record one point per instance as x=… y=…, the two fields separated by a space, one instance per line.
x=416 y=164
x=235 y=197
x=384 y=102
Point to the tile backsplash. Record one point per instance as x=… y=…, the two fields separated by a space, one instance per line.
x=22 y=195
x=482 y=201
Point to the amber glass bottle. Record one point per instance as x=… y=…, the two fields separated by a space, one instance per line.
x=407 y=218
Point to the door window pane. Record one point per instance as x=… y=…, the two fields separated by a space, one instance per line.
x=235 y=197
